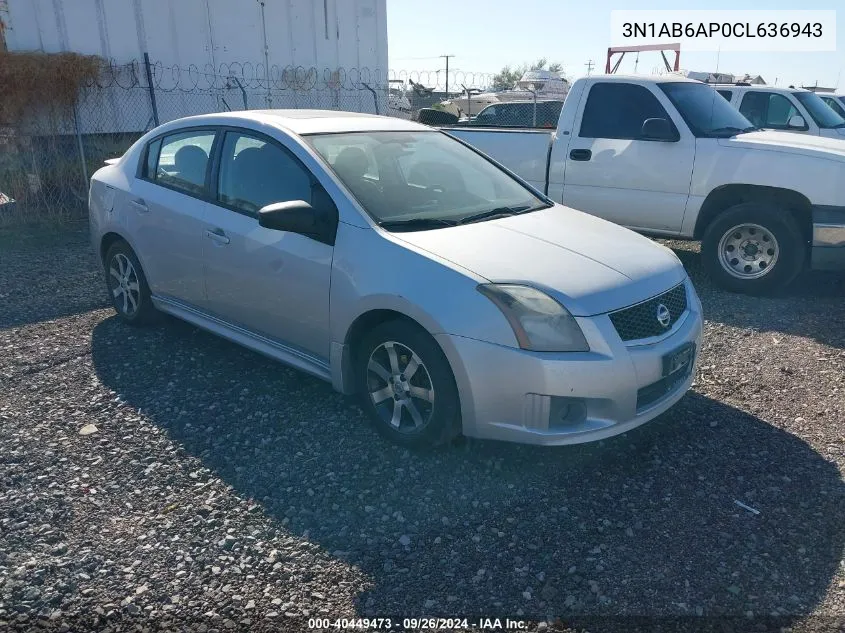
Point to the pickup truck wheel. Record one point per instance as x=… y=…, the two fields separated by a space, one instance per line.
x=753 y=248
x=406 y=385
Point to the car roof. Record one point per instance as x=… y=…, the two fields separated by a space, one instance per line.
x=305 y=121
x=757 y=87
x=667 y=78
x=523 y=102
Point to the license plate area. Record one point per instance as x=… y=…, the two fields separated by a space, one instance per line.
x=679 y=359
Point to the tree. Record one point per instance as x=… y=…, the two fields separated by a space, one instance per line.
x=508 y=76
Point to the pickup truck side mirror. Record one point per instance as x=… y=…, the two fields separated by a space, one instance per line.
x=659 y=130
x=796 y=122
x=318 y=222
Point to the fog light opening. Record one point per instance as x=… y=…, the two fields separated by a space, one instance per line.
x=567 y=412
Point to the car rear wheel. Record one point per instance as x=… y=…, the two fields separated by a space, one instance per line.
x=407 y=387
x=754 y=248
x=127 y=285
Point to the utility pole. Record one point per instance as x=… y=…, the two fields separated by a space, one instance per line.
x=446 y=57
x=589 y=66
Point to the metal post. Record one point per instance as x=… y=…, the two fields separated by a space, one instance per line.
x=446 y=57
x=80 y=146
x=151 y=89
x=375 y=96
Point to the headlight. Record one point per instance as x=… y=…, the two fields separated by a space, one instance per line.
x=539 y=322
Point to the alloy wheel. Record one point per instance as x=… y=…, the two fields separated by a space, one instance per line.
x=124 y=285
x=400 y=387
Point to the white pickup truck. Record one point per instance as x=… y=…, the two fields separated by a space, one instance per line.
x=667 y=156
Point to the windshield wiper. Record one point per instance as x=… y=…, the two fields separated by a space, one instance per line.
x=730 y=130
x=499 y=212
x=416 y=224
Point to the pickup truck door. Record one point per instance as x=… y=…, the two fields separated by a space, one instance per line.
x=612 y=172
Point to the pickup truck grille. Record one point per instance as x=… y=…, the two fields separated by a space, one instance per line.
x=641 y=320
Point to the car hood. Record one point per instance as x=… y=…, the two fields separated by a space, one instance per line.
x=790 y=142
x=590 y=265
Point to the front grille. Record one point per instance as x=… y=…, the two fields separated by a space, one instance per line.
x=640 y=321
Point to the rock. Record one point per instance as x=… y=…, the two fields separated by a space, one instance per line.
x=88 y=429
x=734 y=590
x=548 y=592
x=429 y=604
x=405 y=540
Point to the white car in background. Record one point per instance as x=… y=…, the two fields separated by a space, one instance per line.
x=835 y=102
x=787 y=109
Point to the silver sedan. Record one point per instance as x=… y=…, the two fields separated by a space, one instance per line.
x=400 y=264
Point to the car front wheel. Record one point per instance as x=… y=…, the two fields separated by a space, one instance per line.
x=406 y=384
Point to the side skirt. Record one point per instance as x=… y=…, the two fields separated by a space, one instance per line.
x=237 y=334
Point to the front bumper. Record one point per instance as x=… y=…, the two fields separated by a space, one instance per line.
x=828 y=252
x=515 y=395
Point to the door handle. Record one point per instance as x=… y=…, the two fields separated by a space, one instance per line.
x=217 y=235
x=580 y=154
x=139 y=205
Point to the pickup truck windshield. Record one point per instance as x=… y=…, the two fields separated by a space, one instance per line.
x=705 y=111
x=822 y=114
x=414 y=181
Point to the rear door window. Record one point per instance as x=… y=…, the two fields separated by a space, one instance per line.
x=183 y=160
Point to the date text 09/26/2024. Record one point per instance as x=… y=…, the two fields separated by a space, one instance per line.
x=437 y=624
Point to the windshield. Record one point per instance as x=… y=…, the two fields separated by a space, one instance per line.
x=819 y=110
x=706 y=112
x=422 y=180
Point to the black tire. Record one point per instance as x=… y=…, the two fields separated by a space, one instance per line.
x=441 y=416
x=116 y=259
x=790 y=246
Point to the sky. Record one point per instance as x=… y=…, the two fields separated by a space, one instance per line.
x=485 y=35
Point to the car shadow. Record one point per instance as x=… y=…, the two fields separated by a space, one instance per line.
x=643 y=524
x=813 y=306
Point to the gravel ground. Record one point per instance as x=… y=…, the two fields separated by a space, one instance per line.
x=167 y=479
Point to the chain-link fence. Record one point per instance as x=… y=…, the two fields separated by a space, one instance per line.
x=46 y=161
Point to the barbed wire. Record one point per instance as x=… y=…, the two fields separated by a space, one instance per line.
x=257 y=76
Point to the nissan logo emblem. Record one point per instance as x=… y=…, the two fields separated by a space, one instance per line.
x=663 y=315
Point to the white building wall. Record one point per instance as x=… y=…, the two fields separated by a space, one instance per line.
x=198 y=43
x=308 y=33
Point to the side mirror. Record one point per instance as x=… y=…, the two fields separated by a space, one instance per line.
x=297 y=216
x=658 y=130
x=796 y=122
